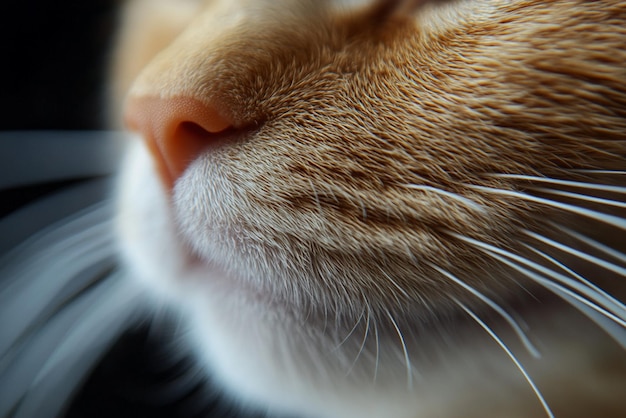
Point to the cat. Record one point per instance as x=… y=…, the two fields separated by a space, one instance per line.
x=382 y=208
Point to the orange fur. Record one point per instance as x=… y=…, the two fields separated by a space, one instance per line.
x=345 y=109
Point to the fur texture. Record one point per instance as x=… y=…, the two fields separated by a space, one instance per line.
x=397 y=168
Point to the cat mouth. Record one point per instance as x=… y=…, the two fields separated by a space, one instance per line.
x=206 y=269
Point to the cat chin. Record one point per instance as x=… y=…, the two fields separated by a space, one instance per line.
x=247 y=343
x=232 y=333
x=150 y=241
x=264 y=355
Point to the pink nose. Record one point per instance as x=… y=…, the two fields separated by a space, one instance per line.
x=176 y=131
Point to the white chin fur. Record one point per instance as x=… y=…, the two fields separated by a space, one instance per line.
x=264 y=356
x=250 y=347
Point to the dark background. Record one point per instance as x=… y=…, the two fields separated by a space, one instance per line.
x=53 y=61
x=53 y=56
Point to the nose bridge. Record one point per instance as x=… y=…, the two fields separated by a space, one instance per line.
x=181 y=69
x=202 y=84
x=171 y=107
x=171 y=104
x=223 y=33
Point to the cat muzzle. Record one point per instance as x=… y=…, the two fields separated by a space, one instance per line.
x=176 y=131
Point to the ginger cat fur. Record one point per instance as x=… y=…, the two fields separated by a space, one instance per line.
x=395 y=195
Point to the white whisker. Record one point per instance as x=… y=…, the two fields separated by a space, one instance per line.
x=592 y=214
x=466 y=201
x=44 y=373
x=576 y=301
x=123 y=299
x=325 y=318
x=578 y=196
x=396 y=285
x=573 y=273
x=351 y=331
x=568 y=183
x=618 y=311
x=592 y=243
x=363 y=342
x=54 y=241
x=505 y=315
x=36 y=290
x=583 y=256
x=609 y=326
x=509 y=353
x=377 y=339
x=613 y=172
x=159 y=314
x=407 y=360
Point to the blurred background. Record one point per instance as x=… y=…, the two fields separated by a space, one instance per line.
x=53 y=65
x=54 y=56
x=53 y=69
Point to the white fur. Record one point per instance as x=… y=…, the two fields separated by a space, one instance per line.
x=255 y=349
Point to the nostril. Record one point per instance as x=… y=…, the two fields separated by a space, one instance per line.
x=176 y=130
x=193 y=134
x=188 y=140
x=193 y=130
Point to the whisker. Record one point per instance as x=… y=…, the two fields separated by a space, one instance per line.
x=363 y=209
x=505 y=315
x=397 y=286
x=593 y=243
x=613 y=172
x=123 y=300
x=614 y=327
x=325 y=317
x=50 y=241
x=618 y=310
x=365 y=334
x=407 y=360
x=42 y=376
x=568 y=183
x=462 y=199
x=509 y=353
x=592 y=214
x=583 y=256
x=377 y=339
x=62 y=269
x=573 y=273
x=592 y=199
x=351 y=331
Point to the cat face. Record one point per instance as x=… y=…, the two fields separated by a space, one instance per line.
x=330 y=190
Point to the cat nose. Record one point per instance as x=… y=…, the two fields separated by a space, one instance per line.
x=176 y=131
